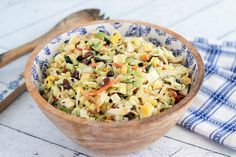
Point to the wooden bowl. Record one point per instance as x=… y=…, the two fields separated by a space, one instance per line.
x=115 y=137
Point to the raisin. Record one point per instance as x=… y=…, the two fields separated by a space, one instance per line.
x=125 y=97
x=130 y=115
x=66 y=41
x=105 y=81
x=117 y=52
x=88 y=54
x=79 y=58
x=75 y=74
x=97 y=59
x=140 y=64
x=87 y=61
x=110 y=73
x=41 y=92
x=101 y=112
x=67 y=59
x=135 y=91
x=66 y=84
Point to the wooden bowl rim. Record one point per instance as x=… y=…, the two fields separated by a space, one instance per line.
x=48 y=107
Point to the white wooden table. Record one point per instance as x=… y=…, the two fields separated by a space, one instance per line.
x=26 y=132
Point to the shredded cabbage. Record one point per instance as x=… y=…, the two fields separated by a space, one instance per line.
x=114 y=78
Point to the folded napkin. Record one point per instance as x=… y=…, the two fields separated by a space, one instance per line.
x=213 y=113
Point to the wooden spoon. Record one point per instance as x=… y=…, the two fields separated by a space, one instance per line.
x=67 y=23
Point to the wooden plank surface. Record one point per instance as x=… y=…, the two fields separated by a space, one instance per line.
x=217 y=21
x=37 y=11
x=9 y=3
x=25 y=131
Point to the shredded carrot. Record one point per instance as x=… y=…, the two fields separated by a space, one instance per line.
x=64 y=69
x=104 y=88
x=118 y=65
x=134 y=67
x=144 y=57
x=172 y=93
x=87 y=47
x=87 y=96
x=94 y=65
x=80 y=49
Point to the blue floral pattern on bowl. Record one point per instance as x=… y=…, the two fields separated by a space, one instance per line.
x=117 y=25
x=157 y=37
x=137 y=31
x=155 y=41
x=80 y=31
x=160 y=33
x=56 y=40
x=102 y=29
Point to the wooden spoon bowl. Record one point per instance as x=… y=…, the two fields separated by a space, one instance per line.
x=114 y=137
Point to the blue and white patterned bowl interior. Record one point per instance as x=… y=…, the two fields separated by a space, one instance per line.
x=153 y=35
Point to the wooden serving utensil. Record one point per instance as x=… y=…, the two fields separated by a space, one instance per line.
x=67 y=23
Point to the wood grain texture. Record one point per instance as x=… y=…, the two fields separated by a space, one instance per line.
x=166 y=147
x=67 y=23
x=102 y=136
x=29 y=145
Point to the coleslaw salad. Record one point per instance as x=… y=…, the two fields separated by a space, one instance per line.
x=114 y=78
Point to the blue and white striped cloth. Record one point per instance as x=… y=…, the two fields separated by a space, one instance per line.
x=213 y=113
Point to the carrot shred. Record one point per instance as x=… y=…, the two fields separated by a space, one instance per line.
x=80 y=49
x=134 y=67
x=64 y=69
x=172 y=93
x=94 y=65
x=87 y=47
x=118 y=65
x=87 y=96
x=144 y=57
x=104 y=88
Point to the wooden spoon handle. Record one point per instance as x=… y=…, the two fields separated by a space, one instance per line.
x=15 y=53
x=12 y=93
